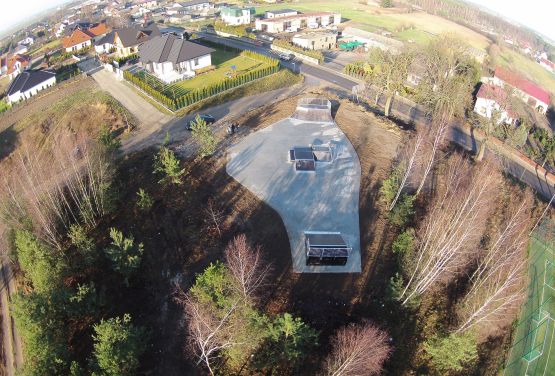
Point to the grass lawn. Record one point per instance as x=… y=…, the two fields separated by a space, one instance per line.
x=374 y=18
x=47 y=46
x=527 y=68
x=222 y=59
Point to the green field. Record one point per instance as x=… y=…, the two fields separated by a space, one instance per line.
x=526 y=67
x=533 y=349
x=222 y=59
x=419 y=27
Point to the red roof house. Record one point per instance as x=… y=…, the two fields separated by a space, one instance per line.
x=525 y=86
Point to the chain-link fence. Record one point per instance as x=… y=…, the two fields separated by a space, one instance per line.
x=533 y=348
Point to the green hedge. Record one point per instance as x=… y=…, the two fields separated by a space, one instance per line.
x=271 y=66
x=291 y=47
x=240 y=31
x=141 y=84
x=205 y=92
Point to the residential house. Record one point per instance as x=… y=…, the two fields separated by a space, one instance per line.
x=490 y=99
x=174 y=9
x=126 y=41
x=299 y=21
x=28 y=84
x=82 y=38
x=20 y=49
x=171 y=58
x=17 y=64
x=196 y=6
x=148 y=4
x=315 y=41
x=530 y=93
x=27 y=41
x=237 y=16
x=280 y=13
x=547 y=64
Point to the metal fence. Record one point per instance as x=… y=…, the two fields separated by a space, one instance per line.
x=533 y=349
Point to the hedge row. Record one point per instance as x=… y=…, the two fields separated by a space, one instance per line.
x=199 y=94
x=291 y=47
x=141 y=84
x=260 y=57
x=240 y=31
x=271 y=66
x=355 y=70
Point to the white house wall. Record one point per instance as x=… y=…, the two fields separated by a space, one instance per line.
x=16 y=97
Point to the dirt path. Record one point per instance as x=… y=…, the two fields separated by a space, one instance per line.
x=11 y=343
x=148 y=116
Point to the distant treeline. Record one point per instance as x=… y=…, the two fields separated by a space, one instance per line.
x=472 y=16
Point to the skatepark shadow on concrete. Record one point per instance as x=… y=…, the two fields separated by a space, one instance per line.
x=326 y=199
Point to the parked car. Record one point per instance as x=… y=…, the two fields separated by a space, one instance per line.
x=285 y=57
x=208 y=119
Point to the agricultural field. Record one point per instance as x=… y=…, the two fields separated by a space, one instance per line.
x=416 y=26
x=228 y=63
x=528 y=68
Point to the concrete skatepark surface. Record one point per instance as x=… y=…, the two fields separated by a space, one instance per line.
x=325 y=200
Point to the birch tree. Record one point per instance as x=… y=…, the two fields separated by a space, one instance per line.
x=408 y=162
x=445 y=91
x=63 y=183
x=498 y=283
x=453 y=226
x=358 y=350
x=247 y=267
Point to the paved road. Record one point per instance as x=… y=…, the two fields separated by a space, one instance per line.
x=151 y=136
x=320 y=73
x=525 y=172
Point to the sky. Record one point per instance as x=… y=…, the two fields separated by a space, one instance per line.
x=14 y=12
x=536 y=14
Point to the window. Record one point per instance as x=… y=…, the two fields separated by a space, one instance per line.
x=196 y=61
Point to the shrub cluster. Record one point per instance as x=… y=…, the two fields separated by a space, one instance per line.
x=355 y=70
x=291 y=47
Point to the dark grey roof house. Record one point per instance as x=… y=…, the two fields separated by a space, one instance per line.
x=172 y=58
x=29 y=83
x=171 y=48
x=133 y=36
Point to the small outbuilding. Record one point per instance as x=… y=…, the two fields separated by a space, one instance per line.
x=326 y=248
x=315 y=41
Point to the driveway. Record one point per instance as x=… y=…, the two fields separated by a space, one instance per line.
x=324 y=200
x=149 y=117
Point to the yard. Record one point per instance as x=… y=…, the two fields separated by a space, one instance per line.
x=416 y=26
x=528 y=68
x=47 y=47
x=227 y=63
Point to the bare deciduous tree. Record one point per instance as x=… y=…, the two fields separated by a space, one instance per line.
x=209 y=333
x=62 y=183
x=214 y=216
x=453 y=226
x=358 y=350
x=247 y=266
x=408 y=161
x=498 y=284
